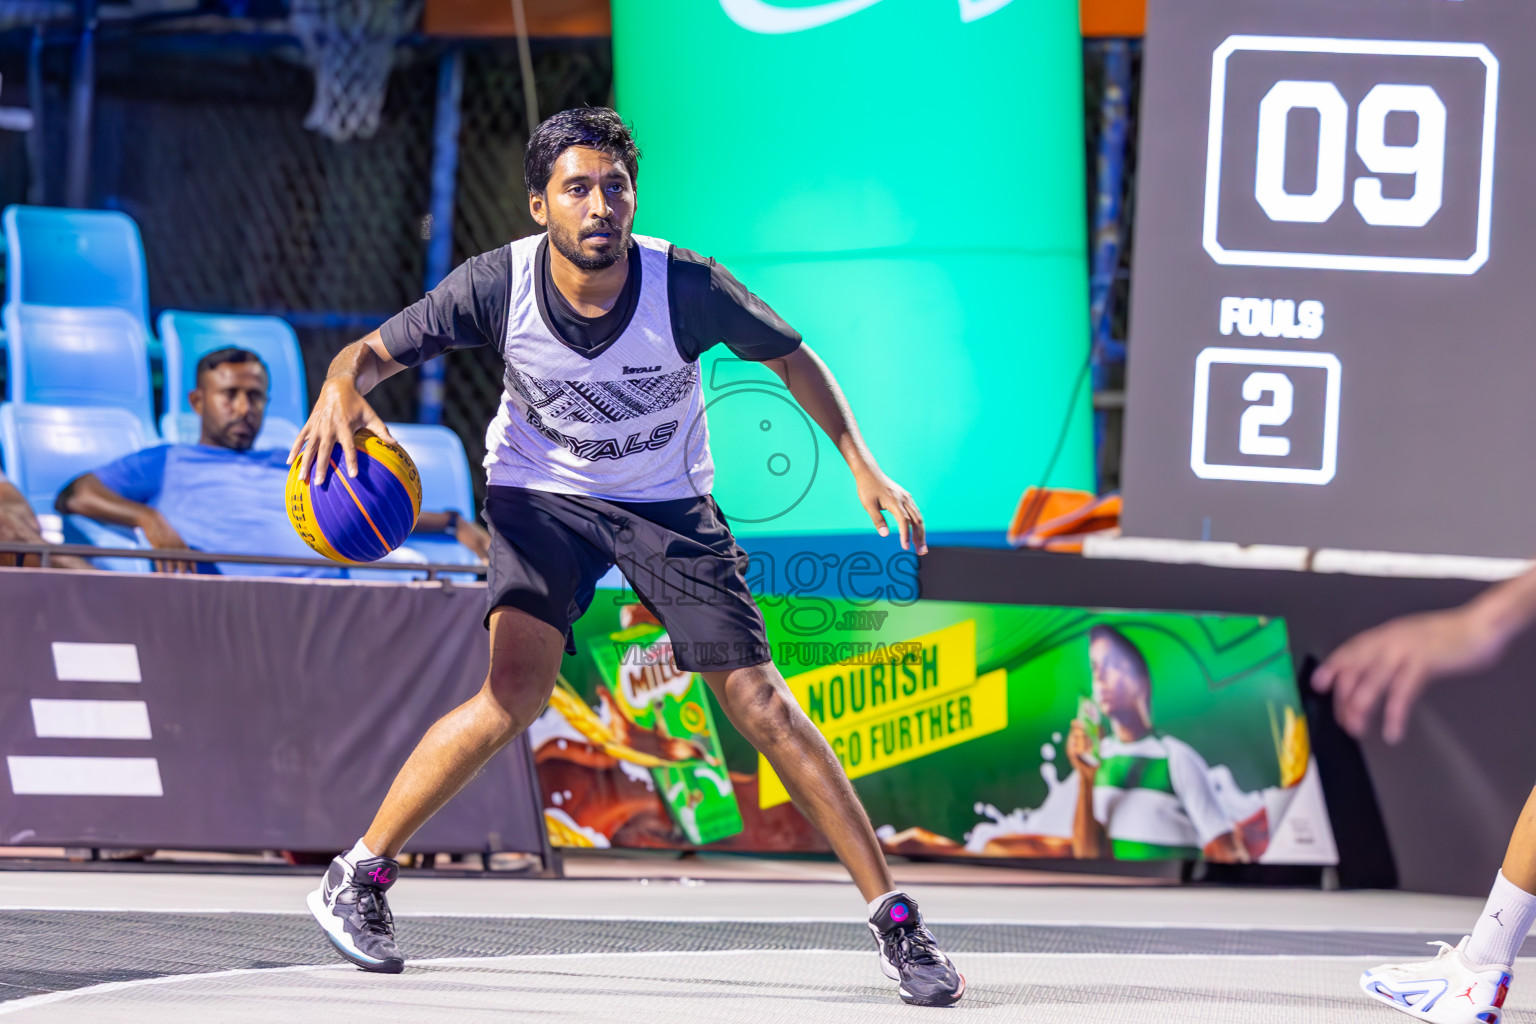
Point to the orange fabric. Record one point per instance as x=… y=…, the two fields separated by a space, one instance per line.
x=546 y=18
x=1114 y=17
x=1043 y=504
x=1057 y=519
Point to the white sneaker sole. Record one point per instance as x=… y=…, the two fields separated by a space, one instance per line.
x=1472 y=1014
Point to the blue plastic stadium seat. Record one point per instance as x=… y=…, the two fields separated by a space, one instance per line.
x=181 y=428
x=190 y=336
x=60 y=257
x=61 y=355
x=187 y=428
x=444 y=467
x=47 y=446
x=446 y=485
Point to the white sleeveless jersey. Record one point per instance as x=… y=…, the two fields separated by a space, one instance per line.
x=626 y=424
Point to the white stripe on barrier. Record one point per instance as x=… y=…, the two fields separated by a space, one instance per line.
x=84 y=776
x=96 y=663
x=91 y=719
x=1396 y=563
x=1221 y=554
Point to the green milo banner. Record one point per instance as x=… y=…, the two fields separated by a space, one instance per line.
x=903 y=181
x=969 y=730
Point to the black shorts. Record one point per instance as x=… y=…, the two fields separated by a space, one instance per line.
x=549 y=550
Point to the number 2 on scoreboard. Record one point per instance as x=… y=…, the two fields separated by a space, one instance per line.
x=1251 y=439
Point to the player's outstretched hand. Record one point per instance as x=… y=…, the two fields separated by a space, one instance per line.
x=1392 y=664
x=879 y=494
x=340 y=411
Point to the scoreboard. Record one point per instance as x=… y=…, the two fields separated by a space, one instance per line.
x=1331 y=325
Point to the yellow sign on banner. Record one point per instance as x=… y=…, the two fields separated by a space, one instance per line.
x=897 y=704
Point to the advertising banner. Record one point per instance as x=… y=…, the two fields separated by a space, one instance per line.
x=827 y=153
x=969 y=730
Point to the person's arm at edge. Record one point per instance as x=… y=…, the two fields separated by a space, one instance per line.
x=87 y=496
x=341 y=410
x=817 y=391
x=1394 y=662
x=17 y=523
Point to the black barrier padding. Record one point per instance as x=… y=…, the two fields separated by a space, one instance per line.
x=279 y=711
x=1353 y=811
x=1448 y=794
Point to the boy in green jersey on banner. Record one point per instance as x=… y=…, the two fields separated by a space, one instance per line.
x=1142 y=795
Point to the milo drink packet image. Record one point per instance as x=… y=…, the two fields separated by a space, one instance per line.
x=668 y=709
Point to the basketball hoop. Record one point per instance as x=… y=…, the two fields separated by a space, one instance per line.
x=350 y=45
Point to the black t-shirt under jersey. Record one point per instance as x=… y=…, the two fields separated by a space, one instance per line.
x=587 y=335
x=707 y=304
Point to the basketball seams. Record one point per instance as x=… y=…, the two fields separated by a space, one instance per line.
x=389 y=503
x=339 y=475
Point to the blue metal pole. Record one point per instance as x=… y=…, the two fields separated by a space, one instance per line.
x=1109 y=177
x=445 y=170
x=37 y=179
x=82 y=99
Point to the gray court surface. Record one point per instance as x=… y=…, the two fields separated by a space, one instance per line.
x=164 y=948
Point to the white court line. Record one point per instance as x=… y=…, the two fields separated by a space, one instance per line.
x=1323 y=929
x=29 y=1002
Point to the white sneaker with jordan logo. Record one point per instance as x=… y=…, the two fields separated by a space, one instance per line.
x=1446 y=990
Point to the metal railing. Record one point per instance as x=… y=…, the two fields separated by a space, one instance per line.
x=46 y=553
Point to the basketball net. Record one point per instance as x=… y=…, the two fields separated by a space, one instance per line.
x=350 y=46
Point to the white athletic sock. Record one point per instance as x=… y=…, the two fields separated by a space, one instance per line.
x=1503 y=924
x=359 y=852
x=874 y=904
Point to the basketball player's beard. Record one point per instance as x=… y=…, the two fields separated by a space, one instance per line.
x=570 y=248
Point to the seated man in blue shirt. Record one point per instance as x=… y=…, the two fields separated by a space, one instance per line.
x=219 y=494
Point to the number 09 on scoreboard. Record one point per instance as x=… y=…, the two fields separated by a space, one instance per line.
x=1351 y=154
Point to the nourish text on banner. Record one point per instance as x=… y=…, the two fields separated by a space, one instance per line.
x=898 y=703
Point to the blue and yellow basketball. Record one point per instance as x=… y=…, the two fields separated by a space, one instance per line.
x=361 y=518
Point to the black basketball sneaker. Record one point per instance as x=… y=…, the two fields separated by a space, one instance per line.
x=911 y=957
x=351 y=907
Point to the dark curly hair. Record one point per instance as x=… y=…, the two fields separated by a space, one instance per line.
x=596 y=127
x=1126 y=647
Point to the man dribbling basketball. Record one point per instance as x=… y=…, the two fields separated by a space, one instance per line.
x=598 y=456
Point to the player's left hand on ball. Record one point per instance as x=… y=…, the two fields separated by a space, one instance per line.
x=880 y=494
x=1392 y=665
